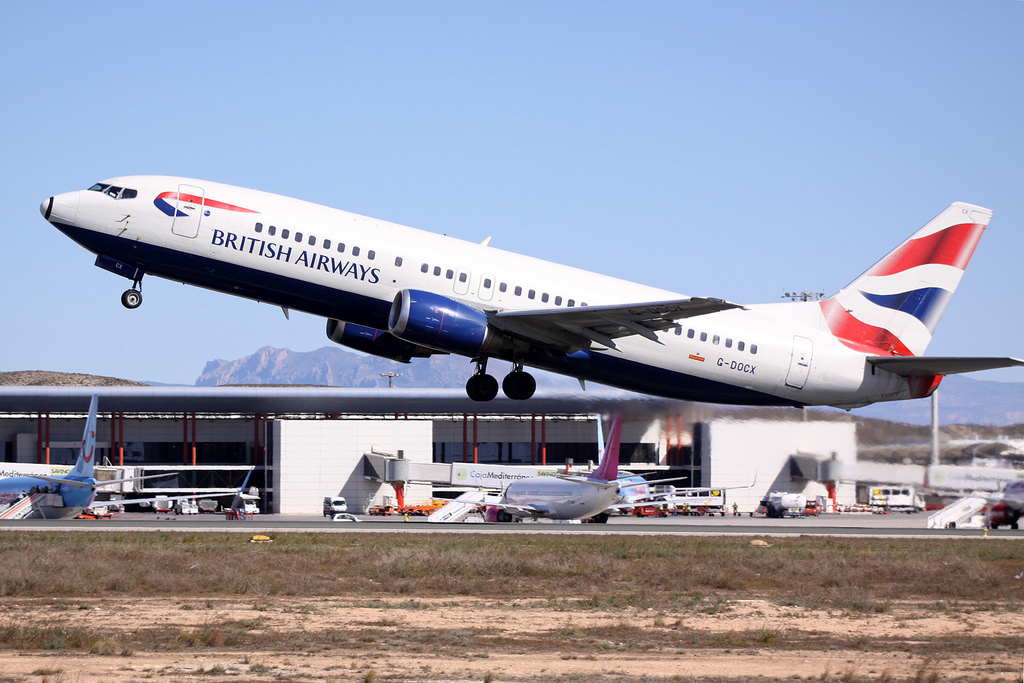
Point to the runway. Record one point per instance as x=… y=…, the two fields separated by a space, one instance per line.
x=843 y=525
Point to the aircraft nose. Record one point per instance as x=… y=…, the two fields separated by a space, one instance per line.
x=60 y=208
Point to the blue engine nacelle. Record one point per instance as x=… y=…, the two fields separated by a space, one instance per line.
x=375 y=342
x=438 y=322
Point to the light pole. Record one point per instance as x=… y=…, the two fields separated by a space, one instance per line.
x=391 y=377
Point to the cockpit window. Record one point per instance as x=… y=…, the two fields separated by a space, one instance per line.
x=114 y=191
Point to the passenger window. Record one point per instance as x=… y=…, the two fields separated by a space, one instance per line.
x=271 y=230
x=355 y=251
x=704 y=336
x=502 y=287
x=519 y=290
x=689 y=333
x=424 y=268
x=370 y=255
x=571 y=303
x=327 y=244
x=739 y=346
x=531 y=294
x=728 y=343
x=398 y=261
x=487 y=283
x=298 y=237
x=259 y=227
x=679 y=331
x=753 y=348
x=284 y=233
x=558 y=301
x=341 y=247
x=544 y=297
x=715 y=340
x=449 y=274
x=583 y=304
x=312 y=241
x=462 y=277
x=437 y=270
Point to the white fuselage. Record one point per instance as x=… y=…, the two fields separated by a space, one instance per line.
x=347 y=267
x=562 y=498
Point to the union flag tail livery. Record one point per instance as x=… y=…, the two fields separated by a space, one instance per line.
x=893 y=308
x=402 y=293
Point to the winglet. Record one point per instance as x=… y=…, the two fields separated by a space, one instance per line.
x=608 y=469
x=87 y=454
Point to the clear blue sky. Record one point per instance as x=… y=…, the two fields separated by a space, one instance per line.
x=728 y=149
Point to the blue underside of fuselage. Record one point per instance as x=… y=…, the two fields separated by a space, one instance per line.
x=328 y=302
x=75 y=497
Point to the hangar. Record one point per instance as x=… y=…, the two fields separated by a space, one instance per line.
x=309 y=442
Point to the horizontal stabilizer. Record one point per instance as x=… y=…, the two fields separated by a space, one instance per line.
x=923 y=366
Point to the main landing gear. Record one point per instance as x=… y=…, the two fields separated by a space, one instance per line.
x=132 y=298
x=517 y=385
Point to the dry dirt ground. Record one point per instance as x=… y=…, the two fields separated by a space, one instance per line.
x=467 y=639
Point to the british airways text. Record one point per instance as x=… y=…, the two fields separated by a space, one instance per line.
x=313 y=261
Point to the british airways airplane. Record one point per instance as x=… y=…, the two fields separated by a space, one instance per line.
x=400 y=293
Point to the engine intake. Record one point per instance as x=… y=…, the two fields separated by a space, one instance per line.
x=1002 y=514
x=438 y=322
x=373 y=341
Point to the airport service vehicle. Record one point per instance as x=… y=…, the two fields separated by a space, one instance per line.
x=186 y=507
x=401 y=293
x=415 y=509
x=344 y=517
x=334 y=504
x=896 y=498
x=778 y=504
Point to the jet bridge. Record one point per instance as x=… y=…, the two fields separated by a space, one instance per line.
x=399 y=472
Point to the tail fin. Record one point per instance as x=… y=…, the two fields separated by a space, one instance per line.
x=86 y=456
x=893 y=308
x=608 y=468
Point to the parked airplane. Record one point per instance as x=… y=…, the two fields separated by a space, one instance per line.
x=62 y=497
x=401 y=293
x=562 y=496
x=55 y=497
x=1008 y=510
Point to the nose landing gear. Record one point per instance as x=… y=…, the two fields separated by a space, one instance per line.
x=132 y=298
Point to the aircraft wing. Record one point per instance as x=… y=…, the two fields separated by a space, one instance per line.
x=583 y=327
x=517 y=510
x=143 y=501
x=924 y=366
x=62 y=480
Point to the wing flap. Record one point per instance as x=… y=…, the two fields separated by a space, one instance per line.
x=923 y=366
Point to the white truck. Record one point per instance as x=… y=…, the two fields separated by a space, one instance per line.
x=896 y=498
x=334 y=505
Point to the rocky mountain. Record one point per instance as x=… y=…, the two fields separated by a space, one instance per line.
x=334 y=366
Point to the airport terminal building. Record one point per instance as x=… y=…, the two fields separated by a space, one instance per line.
x=371 y=445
